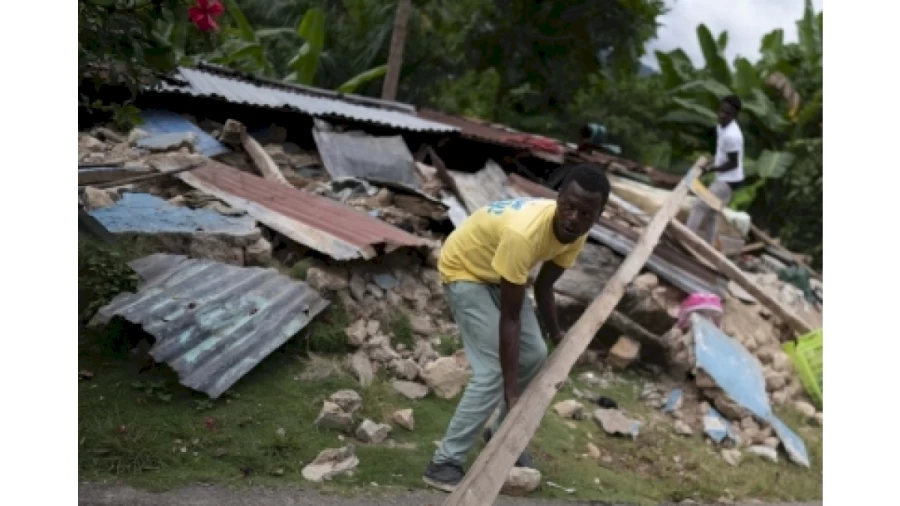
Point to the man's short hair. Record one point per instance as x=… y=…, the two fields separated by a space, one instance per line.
x=734 y=102
x=590 y=178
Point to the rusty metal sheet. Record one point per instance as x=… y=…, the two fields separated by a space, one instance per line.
x=481 y=188
x=384 y=160
x=214 y=322
x=329 y=227
x=666 y=262
x=239 y=88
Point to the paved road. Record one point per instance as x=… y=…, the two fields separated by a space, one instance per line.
x=92 y=494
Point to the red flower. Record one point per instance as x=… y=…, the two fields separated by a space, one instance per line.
x=204 y=14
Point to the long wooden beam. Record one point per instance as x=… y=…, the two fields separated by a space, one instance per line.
x=734 y=273
x=488 y=474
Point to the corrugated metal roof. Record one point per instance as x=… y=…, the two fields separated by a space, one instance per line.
x=495 y=134
x=481 y=188
x=328 y=227
x=502 y=135
x=235 y=87
x=385 y=160
x=665 y=261
x=214 y=322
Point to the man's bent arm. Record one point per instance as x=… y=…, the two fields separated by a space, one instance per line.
x=511 y=298
x=546 y=301
x=730 y=163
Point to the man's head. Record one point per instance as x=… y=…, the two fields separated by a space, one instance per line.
x=582 y=196
x=729 y=108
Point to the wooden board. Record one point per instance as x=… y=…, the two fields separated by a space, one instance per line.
x=488 y=474
x=735 y=274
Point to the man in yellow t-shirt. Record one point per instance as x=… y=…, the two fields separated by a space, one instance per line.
x=484 y=266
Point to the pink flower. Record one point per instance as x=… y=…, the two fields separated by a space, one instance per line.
x=204 y=14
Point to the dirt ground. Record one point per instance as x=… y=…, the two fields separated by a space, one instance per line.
x=94 y=494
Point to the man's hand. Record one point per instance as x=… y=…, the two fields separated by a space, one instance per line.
x=511 y=400
x=557 y=337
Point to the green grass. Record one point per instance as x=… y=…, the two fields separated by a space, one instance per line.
x=149 y=431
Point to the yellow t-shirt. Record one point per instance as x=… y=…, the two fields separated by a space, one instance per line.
x=505 y=239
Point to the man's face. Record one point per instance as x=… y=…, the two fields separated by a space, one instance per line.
x=576 y=212
x=726 y=113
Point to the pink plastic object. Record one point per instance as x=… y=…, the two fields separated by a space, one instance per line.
x=708 y=304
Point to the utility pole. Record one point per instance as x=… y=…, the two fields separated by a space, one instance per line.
x=395 y=57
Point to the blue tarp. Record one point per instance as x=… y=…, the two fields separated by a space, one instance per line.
x=145 y=213
x=160 y=121
x=739 y=374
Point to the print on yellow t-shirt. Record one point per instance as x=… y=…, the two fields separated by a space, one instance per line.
x=506 y=239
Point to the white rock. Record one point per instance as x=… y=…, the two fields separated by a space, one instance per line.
x=614 y=422
x=772 y=442
x=95 y=198
x=371 y=432
x=817 y=418
x=765 y=452
x=732 y=456
x=357 y=287
x=258 y=253
x=330 y=463
x=372 y=327
x=593 y=451
x=348 y=400
x=569 y=409
x=409 y=389
x=333 y=417
x=357 y=333
x=404 y=418
x=806 y=409
x=325 y=280
x=445 y=377
x=521 y=481
x=421 y=325
x=683 y=429
x=362 y=368
x=405 y=369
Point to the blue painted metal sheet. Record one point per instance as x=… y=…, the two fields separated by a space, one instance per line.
x=214 y=322
x=740 y=375
x=166 y=123
x=149 y=214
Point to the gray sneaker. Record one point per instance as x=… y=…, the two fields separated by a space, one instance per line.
x=443 y=476
x=524 y=460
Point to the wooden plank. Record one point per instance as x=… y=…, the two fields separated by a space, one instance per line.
x=735 y=274
x=487 y=475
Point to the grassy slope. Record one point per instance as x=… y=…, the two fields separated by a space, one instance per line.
x=286 y=392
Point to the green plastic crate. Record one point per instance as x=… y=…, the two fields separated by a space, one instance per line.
x=806 y=354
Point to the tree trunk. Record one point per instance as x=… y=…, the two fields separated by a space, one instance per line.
x=395 y=57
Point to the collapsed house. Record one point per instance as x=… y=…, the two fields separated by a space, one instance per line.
x=233 y=175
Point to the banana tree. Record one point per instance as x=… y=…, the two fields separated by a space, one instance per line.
x=305 y=63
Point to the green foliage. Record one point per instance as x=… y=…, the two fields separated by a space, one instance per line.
x=102 y=274
x=402 y=329
x=300 y=269
x=326 y=333
x=449 y=345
